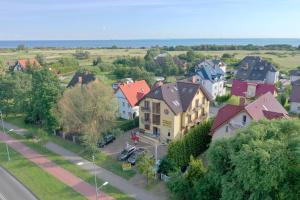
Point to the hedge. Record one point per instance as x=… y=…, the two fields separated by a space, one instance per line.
x=192 y=144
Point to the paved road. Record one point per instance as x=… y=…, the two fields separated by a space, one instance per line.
x=116 y=181
x=61 y=174
x=11 y=189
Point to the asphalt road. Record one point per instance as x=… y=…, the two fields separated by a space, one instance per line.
x=11 y=189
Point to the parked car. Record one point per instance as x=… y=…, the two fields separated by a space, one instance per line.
x=126 y=153
x=106 y=140
x=133 y=158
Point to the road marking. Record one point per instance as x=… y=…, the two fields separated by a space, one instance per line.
x=2 y=197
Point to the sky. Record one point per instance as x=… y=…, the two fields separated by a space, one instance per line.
x=148 y=19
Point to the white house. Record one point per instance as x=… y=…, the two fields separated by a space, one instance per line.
x=233 y=117
x=128 y=95
x=295 y=97
x=210 y=74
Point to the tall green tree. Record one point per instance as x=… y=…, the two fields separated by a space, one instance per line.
x=44 y=95
x=87 y=110
x=145 y=165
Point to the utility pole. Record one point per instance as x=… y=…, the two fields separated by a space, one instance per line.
x=7 y=151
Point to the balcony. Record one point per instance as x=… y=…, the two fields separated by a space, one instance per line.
x=196 y=121
x=145 y=109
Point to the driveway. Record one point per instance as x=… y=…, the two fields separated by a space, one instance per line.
x=113 y=149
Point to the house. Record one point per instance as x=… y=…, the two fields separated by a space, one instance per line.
x=233 y=117
x=160 y=59
x=128 y=94
x=81 y=78
x=22 y=65
x=295 y=75
x=251 y=89
x=116 y=85
x=212 y=77
x=169 y=110
x=256 y=69
x=295 y=97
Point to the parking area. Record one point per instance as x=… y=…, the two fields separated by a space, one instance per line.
x=113 y=149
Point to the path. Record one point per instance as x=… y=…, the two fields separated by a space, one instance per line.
x=61 y=174
x=116 y=181
x=11 y=188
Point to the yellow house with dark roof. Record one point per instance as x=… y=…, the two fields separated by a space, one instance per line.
x=170 y=110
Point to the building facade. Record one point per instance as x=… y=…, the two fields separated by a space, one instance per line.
x=295 y=97
x=170 y=110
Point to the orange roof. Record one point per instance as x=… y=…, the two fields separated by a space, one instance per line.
x=134 y=91
x=23 y=62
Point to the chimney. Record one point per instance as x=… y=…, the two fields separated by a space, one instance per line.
x=80 y=79
x=242 y=101
x=194 y=79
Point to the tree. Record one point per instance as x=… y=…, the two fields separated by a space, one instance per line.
x=261 y=162
x=44 y=96
x=21 y=47
x=145 y=165
x=87 y=110
x=41 y=59
x=196 y=171
x=97 y=61
x=81 y=55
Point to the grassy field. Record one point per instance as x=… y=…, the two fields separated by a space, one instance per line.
x=101 y=159
x=42 y=184
x=285 y=59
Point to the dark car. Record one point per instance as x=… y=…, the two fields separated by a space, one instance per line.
x=126 y=153
x=106 y=140
x=133 y=158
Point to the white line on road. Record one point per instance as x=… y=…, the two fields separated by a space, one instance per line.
x=2 y=197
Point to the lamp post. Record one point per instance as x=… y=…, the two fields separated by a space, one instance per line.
x=96 y=185
x=7 y=151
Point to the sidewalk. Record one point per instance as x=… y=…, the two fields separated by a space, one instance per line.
x=61 y=174
x=116 y=181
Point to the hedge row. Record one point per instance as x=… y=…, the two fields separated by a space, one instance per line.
x=193 y=144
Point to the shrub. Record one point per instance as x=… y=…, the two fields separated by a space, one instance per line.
x=223 y=99
x=130 y=124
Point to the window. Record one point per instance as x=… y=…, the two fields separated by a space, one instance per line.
x=197 y=102
x=203 y=111
x=147 y=117
x=203 y=100
x=156 y=108
x=123 y=104
x=298 y=108
x=156 y=119
x=147 y=126
x=226 y=129
x=189 y=118
x=244 y=119
x=128 y=105
x=169 y=134
x=146 y=104
x=123 y=112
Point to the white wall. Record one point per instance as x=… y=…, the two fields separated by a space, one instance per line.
x=295 y=107
x=272 y=77
x=124 y=108
x=233 y=125
x=295 y=78
x=215 y=89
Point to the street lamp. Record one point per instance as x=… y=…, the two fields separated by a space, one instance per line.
x=96 y=185
x=7 y=151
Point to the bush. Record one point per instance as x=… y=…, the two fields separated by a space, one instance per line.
x=193 y=144
x=223 y=99
x=130 y=124
x=81 y=55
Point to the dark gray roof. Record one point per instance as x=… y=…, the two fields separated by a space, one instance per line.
x=295 y=72
x=209 y=70
x=295 y=93
x=86 y=78
x=178 y=96
x=254 y=68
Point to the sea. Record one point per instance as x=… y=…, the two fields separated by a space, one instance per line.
x=145 y=43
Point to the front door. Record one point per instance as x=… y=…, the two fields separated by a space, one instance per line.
x=156 y=131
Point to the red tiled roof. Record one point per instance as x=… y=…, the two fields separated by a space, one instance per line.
x=23 y=62
x=225 y=114
x=239 y=88
x=134 y=91
x=264 y=107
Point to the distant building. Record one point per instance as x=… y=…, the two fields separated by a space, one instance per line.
x=161 y=59
x=251 y=89
x=22 y=65
x=233 y=117
x=295 y=97
x=128 y=95
x=81 y=78
x=256 y=69
x=295 y=75
x=210 y=74
x=116 y=85
x=169 y=110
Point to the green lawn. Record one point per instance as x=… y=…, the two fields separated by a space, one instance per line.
x=42 y=184
x=101 y=159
